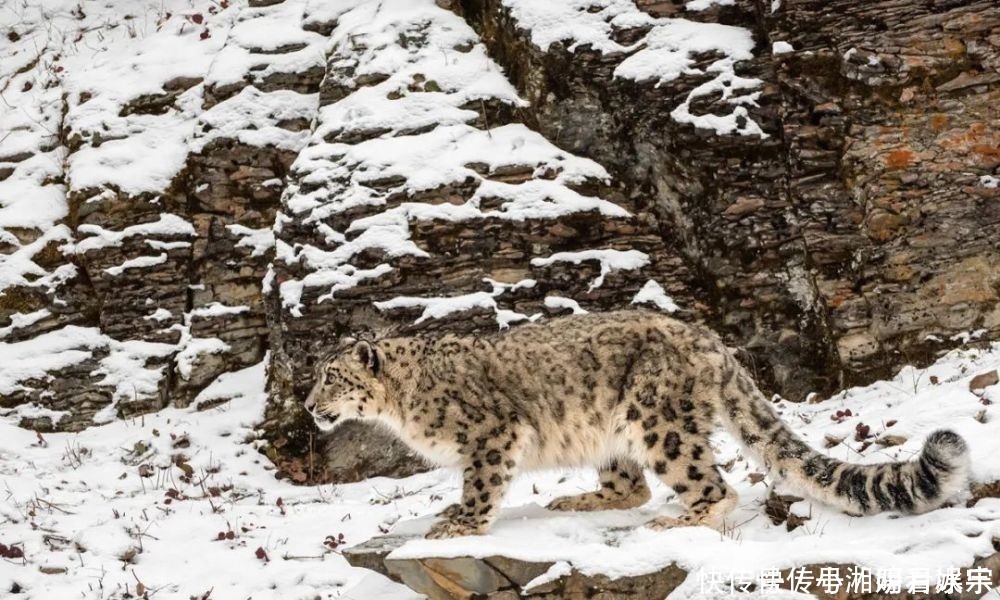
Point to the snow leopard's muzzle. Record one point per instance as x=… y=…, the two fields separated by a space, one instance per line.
x=324 y=421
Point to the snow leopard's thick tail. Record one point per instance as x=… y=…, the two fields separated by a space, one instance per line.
x=936 y=476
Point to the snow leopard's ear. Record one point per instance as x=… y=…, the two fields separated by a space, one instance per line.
x=365 y=352
x=344 y=345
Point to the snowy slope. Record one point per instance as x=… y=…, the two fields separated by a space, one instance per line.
x=92 y=526
x=107 y=109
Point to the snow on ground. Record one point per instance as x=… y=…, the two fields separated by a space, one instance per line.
x=181 y=501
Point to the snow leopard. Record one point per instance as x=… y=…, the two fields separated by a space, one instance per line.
x=624 y=392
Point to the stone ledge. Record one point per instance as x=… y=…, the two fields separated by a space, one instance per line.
x=503 y=578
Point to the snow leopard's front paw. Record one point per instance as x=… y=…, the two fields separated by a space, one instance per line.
x=451 y=512
x=453 y=528
x=661 y=523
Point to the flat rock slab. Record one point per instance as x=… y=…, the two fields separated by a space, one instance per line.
x=504 y=578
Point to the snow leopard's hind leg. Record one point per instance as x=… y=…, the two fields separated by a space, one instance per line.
x=672 y=412
x=622 y=486
x=706 y=497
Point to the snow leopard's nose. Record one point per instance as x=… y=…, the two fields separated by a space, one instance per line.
x=310 y=403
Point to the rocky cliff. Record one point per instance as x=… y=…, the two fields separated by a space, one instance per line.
x=190 y=187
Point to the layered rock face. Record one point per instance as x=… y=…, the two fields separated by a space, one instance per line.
x=137 y=213
x=224 y=182
x=850 y=230
x=422 y=202
x=906 y=131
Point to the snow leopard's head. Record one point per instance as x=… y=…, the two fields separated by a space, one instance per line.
x=347 y=386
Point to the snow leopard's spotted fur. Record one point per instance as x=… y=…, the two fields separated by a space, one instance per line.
x=621 y=391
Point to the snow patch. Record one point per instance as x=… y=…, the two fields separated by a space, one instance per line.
x=217 y=309
x=556 y=571
x=192 y=349
x=781 y=48
x=160 y=314
x=33 y=359
x=653 y=293
x=260 y=240
x=440 y=307
x=242 y=385
x=18 y=269
x=22 y=320
x=255 y=118
x=610 y=260
x=167 y=225
x=138 y=262
x=125 y=370
x=560 y=303
x=699 y=5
